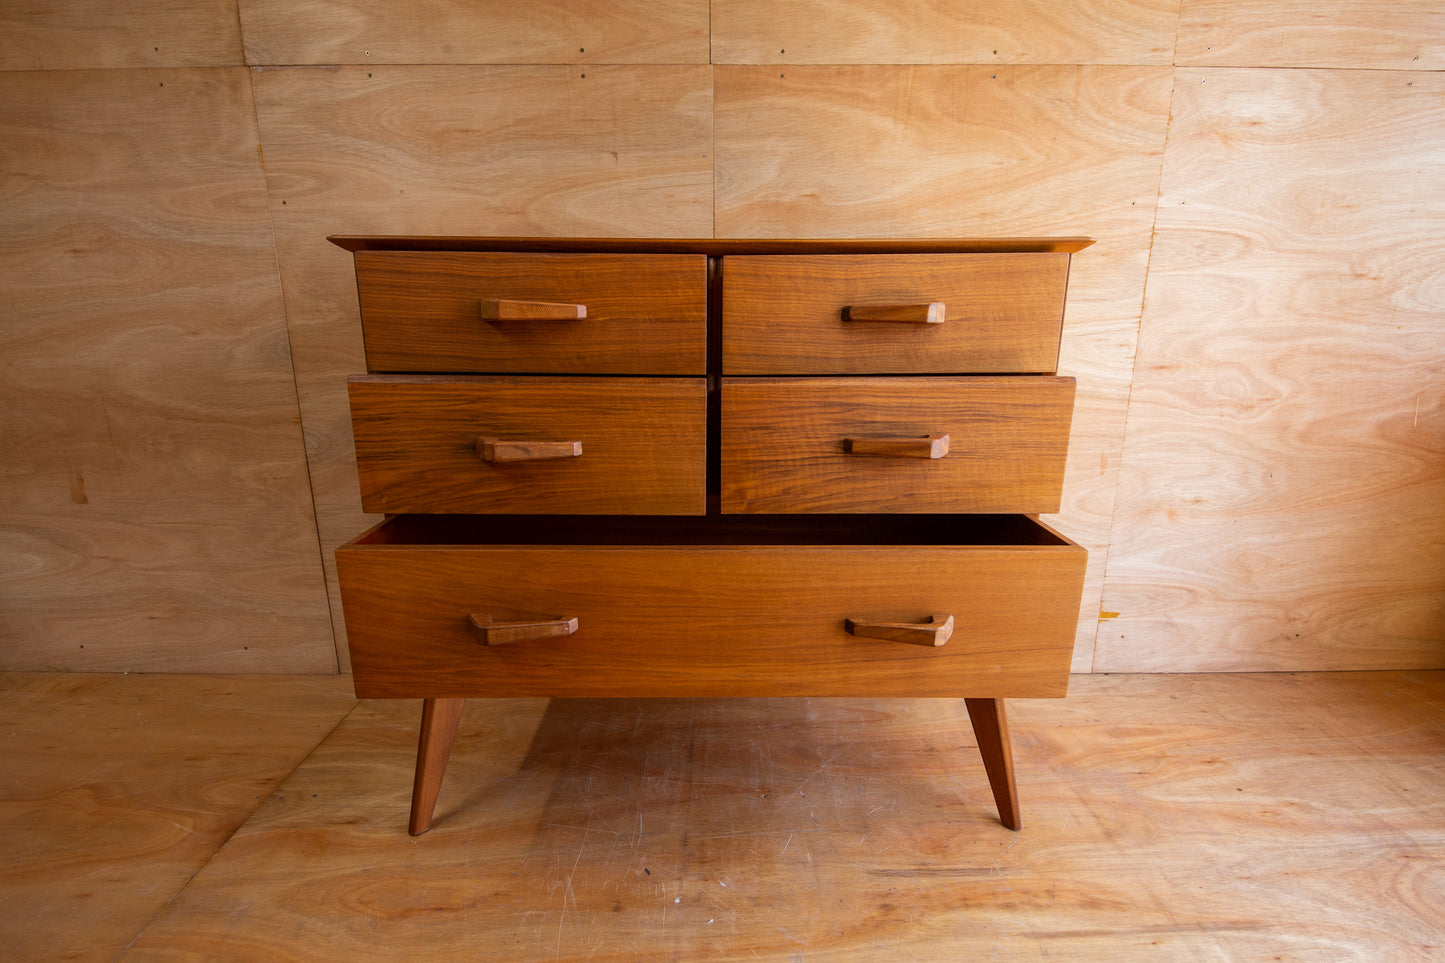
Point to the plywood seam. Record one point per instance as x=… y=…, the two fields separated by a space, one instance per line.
x=241 y=38
x=240 y=824
x=1133 y=363
x=712 y=126
x=295 y=381
x=1174 y=61
x=435 y=65
x=1318 y=68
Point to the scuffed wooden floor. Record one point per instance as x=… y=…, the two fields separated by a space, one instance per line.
x=1166 y=817
x=116 y=789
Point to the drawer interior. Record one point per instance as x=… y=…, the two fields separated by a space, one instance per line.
x=761 y=530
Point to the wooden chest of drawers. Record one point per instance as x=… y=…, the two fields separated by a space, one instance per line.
x=710 y=468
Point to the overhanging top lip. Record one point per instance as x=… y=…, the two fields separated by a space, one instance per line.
x=711 y=246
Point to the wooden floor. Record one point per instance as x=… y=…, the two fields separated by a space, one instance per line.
x=1199 y=817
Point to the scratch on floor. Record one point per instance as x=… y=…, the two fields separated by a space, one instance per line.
x=569 y=892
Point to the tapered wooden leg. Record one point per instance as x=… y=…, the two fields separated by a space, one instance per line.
x=990 y=726
x=439 y=720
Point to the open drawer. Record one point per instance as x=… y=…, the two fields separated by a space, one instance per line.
x=779 y=605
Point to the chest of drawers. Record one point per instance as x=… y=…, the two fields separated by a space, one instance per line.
x=710 y=468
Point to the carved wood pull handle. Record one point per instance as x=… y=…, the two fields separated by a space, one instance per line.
x=931 y=313
x=493 y=449
x=924 y=446
x=934 y=632
x=489 y=632
x=531 y=311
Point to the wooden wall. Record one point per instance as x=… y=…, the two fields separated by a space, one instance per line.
x=1258 y=457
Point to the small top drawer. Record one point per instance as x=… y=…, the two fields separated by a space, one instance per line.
x=893 y=313
x=600 y=313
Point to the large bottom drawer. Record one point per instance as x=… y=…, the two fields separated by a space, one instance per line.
x=711 y=606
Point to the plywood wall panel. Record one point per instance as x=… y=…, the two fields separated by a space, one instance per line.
x=280 y=32
x=1369 y=34
x=590 y=151
x=943 y=31
x=78 y=34
x=972 y=151
x=154 y=506
x=1282 y=501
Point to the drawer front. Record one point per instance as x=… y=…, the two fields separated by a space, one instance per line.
x=786 y=314
x=423 y=311
x=557 y=445
x=875 y=444
x=710 y=620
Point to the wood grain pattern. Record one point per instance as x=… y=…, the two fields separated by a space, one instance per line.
x=644 y=444
x=943 y=31
x=708 y=620
x=489 y=150
x=899 y=151
x=641 y=314
x=1173 y=817
x=942 y=151
x=794 y=314
x=783 y=444
x=1280 y=495
x=156 y=512
x=456 y=151
x=89 y=34
x=462 y=32
x=1362 y=34
x=116 y=789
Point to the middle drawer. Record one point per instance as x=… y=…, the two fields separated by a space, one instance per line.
x=920 y=444
x=530 y=445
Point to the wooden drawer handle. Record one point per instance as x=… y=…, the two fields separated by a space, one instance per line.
x=489 y=632
x=924 y=446
x=531 y=311
x=934 y=632
x=494 y=449
x=931 y=313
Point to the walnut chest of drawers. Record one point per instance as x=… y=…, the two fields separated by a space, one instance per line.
x=710 y=468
